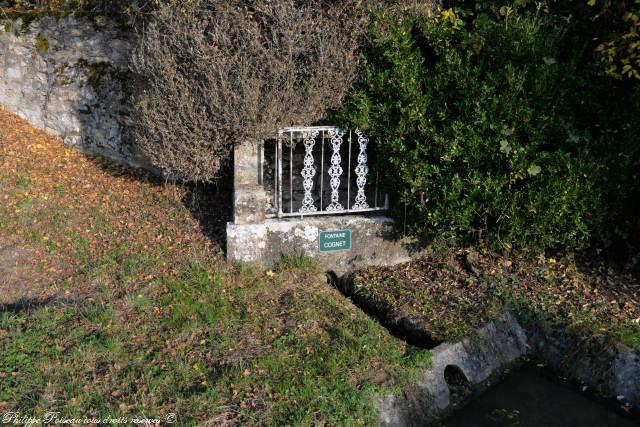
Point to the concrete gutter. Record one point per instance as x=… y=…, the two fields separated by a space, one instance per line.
x=486 y=356
x=482 y=358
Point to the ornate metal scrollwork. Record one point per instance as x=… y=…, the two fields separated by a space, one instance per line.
x=335 y=171
x=308 y=172
x=321 y=189
x=361 y=172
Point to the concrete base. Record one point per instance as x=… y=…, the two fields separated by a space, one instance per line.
x=374 y=241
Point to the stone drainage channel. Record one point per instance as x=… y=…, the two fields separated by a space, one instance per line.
x=461 y=372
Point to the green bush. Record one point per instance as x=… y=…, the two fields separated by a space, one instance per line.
x=496 y=127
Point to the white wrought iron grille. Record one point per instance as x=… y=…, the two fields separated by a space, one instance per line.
x=320 y=170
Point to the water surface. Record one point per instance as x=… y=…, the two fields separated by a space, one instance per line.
x=528 y=399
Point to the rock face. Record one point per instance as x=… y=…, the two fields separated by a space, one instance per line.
x=67 y=76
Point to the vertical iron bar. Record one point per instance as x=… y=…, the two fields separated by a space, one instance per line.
x=375 y=196
x=349 y=175
x=291 y=172
x=275 y=175
x=322 y=172
x=279 y=161
x=404 y=223
x=260 y=162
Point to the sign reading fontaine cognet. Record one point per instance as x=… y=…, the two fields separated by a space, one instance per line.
x=334 y=240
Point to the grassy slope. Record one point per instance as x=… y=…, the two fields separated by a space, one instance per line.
x=113 y=301
x=450 y=293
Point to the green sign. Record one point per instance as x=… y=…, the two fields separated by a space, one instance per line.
x=335 y=240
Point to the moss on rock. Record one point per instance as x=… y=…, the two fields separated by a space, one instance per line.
x=97 y=71
x=42 y=44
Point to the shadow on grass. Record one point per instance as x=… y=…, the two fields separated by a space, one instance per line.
x=24 y=304
x=209 y=204
x=403 y=328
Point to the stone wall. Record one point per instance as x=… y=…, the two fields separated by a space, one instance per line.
x=611 y=370
x=68 y=77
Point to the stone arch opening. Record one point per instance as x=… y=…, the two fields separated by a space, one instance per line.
x=458 y=383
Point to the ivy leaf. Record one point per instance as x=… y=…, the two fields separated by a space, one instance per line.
x=505 y=147
x=534 y=169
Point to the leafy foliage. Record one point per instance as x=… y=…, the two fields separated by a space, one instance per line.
x=497 y=126
x=620 y=48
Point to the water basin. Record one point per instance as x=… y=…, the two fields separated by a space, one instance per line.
x=528 y=399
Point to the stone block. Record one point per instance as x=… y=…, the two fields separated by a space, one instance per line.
x=248 y=205
x=374 y=241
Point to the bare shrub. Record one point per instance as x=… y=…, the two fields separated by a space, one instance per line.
x=218 y=72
